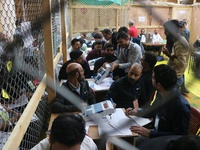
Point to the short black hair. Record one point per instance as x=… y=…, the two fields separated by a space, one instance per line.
x=108 y=45
x=165 y=75
x=82 y=41
x=107 y=31
x=125 y=29
x=74 y=41
x=97 y=36
x=98 y=42
x=122 y=35
x=150 y=58
x=68 y=129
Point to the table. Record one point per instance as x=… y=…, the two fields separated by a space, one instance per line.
x=103 y=86
x=100 y=89
x=92 y=131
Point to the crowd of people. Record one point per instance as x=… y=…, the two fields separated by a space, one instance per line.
x=155 y=89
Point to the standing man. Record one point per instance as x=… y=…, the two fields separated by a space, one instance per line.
x=110 y=37
x=185 y=33
x=170 y=110
x=129 y=53
x=126 y=90
x=78 y=86
x=133 y=31
x=178 y=59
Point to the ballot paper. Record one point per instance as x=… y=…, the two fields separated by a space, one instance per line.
x=122 y=123
x=140 y=121
x=117 y=124
x=104 y=85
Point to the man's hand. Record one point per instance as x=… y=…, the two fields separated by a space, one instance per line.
x=130 y=111
x=114 y=65
x=141 y=130
x=165 y=51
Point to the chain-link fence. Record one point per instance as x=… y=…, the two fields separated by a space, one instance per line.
x=22 y=63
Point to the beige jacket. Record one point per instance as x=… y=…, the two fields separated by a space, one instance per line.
x=181 y=51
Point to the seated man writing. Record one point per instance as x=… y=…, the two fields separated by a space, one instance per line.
x=77 y=85
x=126 y=90
x=170 y=109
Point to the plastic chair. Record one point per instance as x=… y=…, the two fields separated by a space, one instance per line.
x=194 y=124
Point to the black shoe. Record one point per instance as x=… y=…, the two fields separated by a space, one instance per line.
x=184 y=91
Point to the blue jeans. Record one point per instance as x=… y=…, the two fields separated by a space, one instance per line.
x=179 y=83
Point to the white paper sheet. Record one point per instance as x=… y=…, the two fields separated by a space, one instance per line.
x=104 y=85
x=21 y=101
x=105 y=128
x=121 y=122
x=118 y=124
x=141 y=121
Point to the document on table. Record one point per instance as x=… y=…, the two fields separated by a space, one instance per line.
x=140 y=121
x=118 y=124
x=123 y=123
x=104 y=85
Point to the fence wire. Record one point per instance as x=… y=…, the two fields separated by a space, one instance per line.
x=22 y=62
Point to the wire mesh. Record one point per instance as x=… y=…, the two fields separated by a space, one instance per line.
x=22 y=62
x=22 y=65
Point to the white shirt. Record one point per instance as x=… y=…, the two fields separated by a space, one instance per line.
x=157 y=38
x=143 y=38
x=87 y=144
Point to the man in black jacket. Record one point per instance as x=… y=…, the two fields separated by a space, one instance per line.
x=76 y=57
x=148 y=61
x=170 y=110
x=126 y=89
x=109 y=57
x=75 y=91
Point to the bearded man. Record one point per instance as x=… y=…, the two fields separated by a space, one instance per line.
x=126 y=90
x=76 y=85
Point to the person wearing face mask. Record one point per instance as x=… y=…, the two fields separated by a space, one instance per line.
x=109 y=57
x=77 y=85
x=125 y=91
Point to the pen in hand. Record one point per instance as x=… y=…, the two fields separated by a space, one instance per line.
x=112 y=100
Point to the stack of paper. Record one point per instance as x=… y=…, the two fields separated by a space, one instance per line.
x=118 y=124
